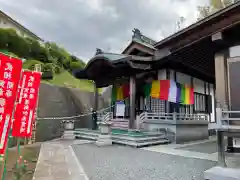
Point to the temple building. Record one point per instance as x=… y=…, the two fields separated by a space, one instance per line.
x=191 y=61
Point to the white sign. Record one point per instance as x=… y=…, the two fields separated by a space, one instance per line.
x=236 y=142
x=120 y=109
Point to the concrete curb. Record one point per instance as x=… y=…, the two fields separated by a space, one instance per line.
x=78 y=163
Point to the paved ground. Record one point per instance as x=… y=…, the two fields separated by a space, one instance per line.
x=125 y=163
x=205 y=150
x=57 y=161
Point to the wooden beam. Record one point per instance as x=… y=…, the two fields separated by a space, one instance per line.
x=226 y=22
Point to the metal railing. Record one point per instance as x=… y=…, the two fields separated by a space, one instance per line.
x=224 y=121
x=145 y=116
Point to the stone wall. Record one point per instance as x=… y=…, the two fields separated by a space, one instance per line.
x=55 y=101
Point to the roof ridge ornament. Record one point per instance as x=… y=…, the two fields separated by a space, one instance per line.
x=98 y=51
x=136 y=34
x=139 y=36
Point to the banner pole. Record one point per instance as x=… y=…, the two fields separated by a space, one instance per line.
x=3 y=164
x=18 y=151
x=6 y=156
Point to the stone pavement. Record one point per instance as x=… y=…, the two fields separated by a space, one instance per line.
x=205 y=150
x=57 y=161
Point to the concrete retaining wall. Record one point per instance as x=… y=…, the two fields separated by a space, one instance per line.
x=55 y=101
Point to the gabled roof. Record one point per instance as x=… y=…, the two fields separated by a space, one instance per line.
x=20 y=26
x=141 y=39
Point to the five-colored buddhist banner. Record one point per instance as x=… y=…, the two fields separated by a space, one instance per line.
x=10 y=72
x=168 y=90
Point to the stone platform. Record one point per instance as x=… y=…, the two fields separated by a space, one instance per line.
x=222 y=173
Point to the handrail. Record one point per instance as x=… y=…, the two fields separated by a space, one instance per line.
x=225 y=122
x=145 y=116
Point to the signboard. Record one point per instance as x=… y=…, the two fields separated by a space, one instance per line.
x=120 y=109
x=10 y=72
x=27 y=101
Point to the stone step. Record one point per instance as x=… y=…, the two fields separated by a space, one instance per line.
x=87 y=137
x=120 y=125
x=140 y=144
x=125 y=139
x=120 y=128
x=137 y=139
x=95 y=134
x=119 y=120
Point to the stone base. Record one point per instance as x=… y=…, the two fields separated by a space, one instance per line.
x=68 y=135
x=104 y=140
x=180 y=131
x=222 y=173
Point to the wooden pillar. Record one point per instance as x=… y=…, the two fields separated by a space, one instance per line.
x=222 y=95
x=132 y=101
x=96 y=97
x=221 y=80
x=95 y=107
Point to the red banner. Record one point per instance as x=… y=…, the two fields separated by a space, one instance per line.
x=26 y=105
x=10 y=72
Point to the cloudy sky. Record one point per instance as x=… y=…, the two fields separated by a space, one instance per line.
x=81 y=26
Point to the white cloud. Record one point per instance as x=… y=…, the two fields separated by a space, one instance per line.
x=81 y=26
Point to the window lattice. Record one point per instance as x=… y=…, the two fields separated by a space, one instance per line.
x=155 y=105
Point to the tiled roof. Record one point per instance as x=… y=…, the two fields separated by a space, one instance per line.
x=112 y=56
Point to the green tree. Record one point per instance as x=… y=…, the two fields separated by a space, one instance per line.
x=45 y=53
x=214 y=5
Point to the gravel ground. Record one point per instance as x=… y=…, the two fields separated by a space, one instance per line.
x=125 y=163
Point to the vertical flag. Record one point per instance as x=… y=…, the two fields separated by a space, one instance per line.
x=25 y=109
x=10 y=72
x=155 y=90
x=120 y=93
x=164 y=89
x=147 y=89
x=187 y=94
x=172 y=92
x=182 y=99
x=114 y=94
x=126 y=91
x=178 y=92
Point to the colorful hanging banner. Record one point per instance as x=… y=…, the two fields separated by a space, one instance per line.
x=10 y=72
x=147 y=89
x=120 y=93
x=164 y=89
x=114 y=94
x=25 y=109
x=170 y=91
x=155 y=90
x=172 y=96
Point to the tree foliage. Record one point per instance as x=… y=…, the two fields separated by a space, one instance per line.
x=214 y=6
x=49 y=53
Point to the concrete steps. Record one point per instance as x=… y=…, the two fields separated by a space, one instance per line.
x=148 y=139
x=120 y=124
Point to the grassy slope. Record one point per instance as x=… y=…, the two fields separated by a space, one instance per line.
x=64 y=78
